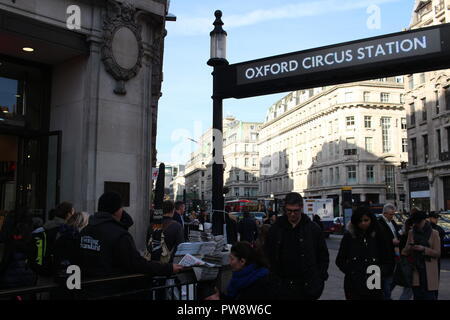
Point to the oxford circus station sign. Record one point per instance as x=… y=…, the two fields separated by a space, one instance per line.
x=348 y=55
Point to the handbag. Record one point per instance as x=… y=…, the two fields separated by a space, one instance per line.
x=403 y=274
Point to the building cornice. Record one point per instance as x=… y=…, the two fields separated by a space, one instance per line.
x=391 y=85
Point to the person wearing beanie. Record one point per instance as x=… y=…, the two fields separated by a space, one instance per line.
x=108 y=249
x=424 y=246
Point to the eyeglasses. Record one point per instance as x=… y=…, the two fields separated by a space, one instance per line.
x=293 y=211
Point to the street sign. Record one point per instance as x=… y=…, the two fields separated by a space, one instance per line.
x=399 y=53
x=155 y=172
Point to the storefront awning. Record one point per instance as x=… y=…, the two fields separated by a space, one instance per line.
x=51 y=44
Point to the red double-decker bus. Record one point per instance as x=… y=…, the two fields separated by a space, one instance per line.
x=241 y=206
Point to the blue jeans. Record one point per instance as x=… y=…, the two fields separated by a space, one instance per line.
x=407 y=294
x=388 y=285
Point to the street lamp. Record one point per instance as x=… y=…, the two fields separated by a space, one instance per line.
x=217 y=60
x=218 y=53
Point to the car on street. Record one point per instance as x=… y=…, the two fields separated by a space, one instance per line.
x=444 y=222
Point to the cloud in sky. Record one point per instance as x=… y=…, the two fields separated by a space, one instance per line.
x=191 y=26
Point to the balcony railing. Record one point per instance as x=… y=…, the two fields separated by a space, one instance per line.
x=444 y=156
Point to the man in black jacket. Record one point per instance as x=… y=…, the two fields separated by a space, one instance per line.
x=390 y=234
x=297 y=252
x=248 y=231
x=108 y=249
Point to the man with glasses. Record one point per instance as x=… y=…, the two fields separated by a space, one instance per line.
x=297 y=252
x=390 y=232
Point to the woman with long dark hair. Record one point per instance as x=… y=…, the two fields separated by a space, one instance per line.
x=251 y=279
x=14 y=269
x=361 y=247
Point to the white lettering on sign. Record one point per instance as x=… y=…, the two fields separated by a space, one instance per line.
x=378 y=50
x=271 y=69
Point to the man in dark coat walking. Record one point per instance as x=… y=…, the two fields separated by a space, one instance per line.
x=297 y=252
x=248 y=231
x=390 y=234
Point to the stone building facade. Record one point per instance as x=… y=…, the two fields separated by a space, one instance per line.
x=427 y=100
x=317 y=141
x=83 y=119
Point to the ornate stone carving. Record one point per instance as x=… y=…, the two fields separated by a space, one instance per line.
x=122 y=48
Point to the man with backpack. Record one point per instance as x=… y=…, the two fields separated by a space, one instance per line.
x=41 y=257
x=165 y=239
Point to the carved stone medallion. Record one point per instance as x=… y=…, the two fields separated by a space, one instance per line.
x=122 y=48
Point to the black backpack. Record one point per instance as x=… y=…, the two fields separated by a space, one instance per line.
x=41 y=253
x=157 y=249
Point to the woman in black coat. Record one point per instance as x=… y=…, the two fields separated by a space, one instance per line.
x=251 y=279
x=360 y=248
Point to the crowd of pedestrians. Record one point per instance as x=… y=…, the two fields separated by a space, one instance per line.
x=282 y=257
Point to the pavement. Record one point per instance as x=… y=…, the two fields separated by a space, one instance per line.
x=334 y=287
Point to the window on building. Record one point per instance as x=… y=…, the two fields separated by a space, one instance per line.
x=254 y=164
x=448 y=138
x=370 y=174
x=425 y=148
x=330 y=127
x=246 y=177
x=331 y=176
x=350 y=148
x=236 y=192
x=367 y=122
x=403 y=123
x=336 y=126
x=386 y=133
x=447 y=98
x=237 y=176
x=246 y=162
x=203 y=173
x=399 y=79
x=422 y=77
x=369 y=144
x=236 y=148
x=390 y=181
x=246 y=148
x=411 y=82
x=254 y=136
x=402 y=98
x=336 y=148
x=436 y=98
x=413 y=114
x=384 y=97
x=350 y=121
x=438 y=136
x=404 y=145
x=366 y=96
x=414 y=151
x=351 y=174
x=424 y=109
x=338 y=178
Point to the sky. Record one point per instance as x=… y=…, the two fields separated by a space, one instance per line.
x=256 y=29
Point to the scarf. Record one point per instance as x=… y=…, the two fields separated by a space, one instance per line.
x=244 y=278
x=421 y=237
